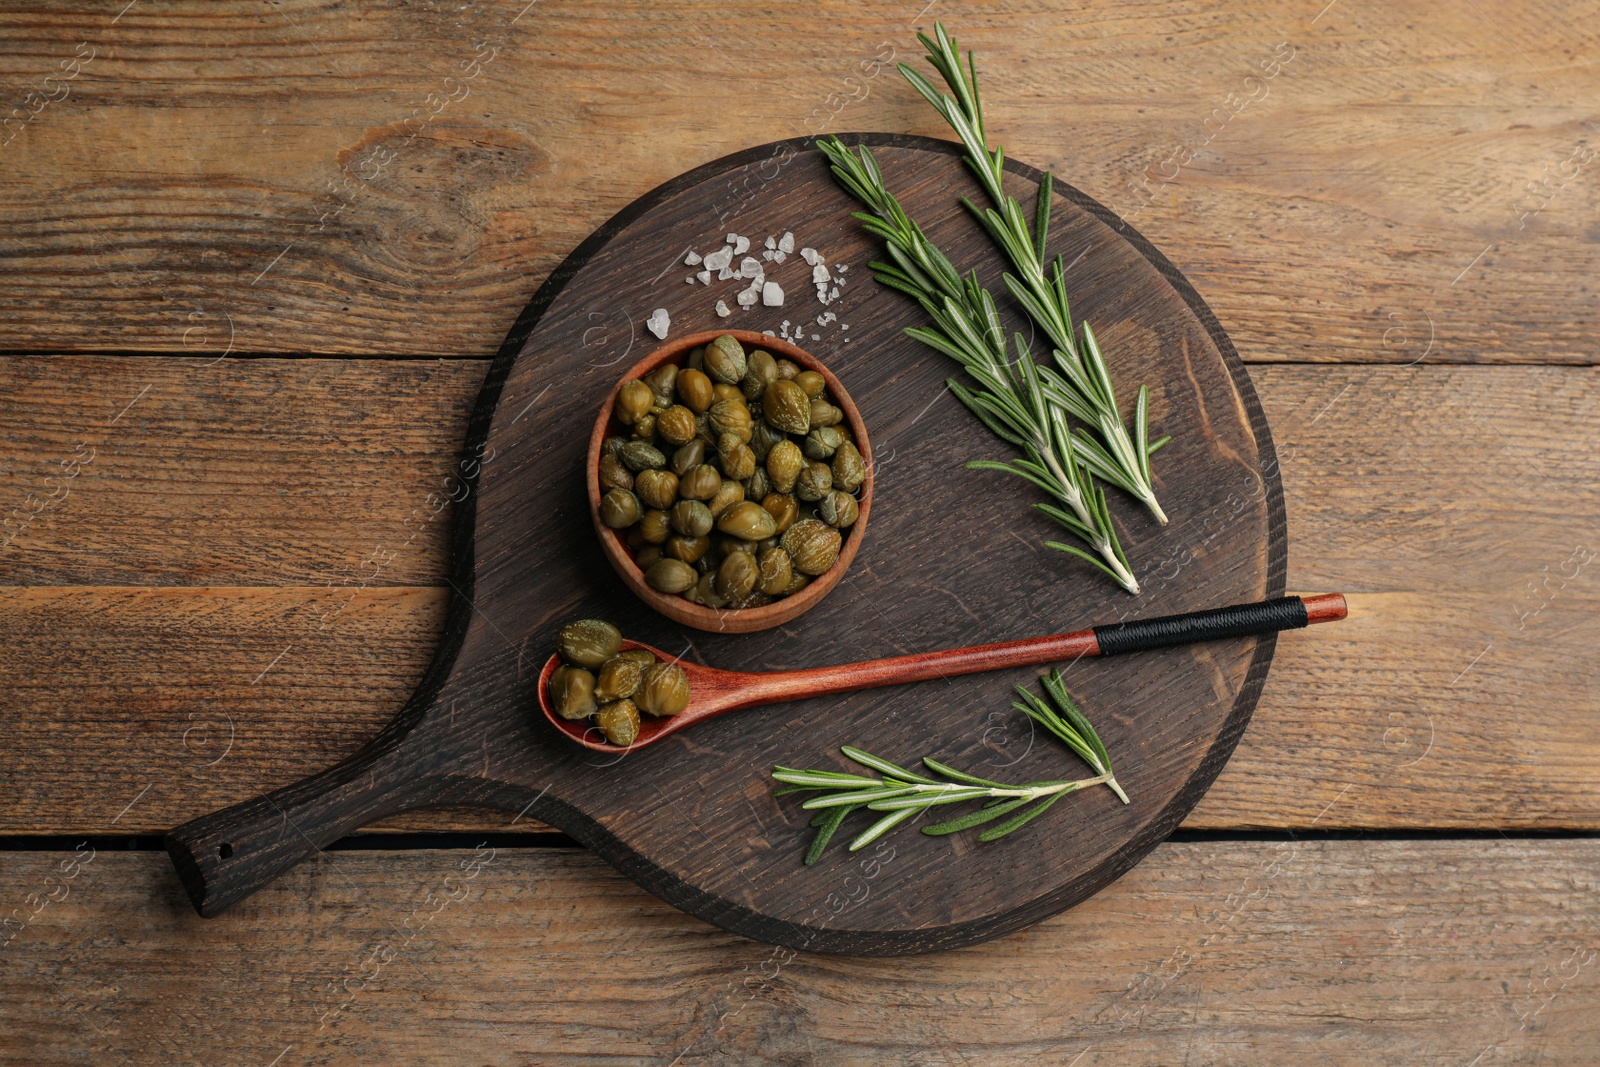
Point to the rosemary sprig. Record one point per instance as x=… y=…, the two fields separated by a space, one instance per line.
x=1015 y=398
x=899 y=794
x=1083 y=386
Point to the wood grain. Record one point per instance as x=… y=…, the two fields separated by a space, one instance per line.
x=1405 y=491
x=1422 y=175
x=1343 y=952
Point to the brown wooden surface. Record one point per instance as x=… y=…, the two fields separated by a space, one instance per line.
x=1428 y=953
x=1407 y=178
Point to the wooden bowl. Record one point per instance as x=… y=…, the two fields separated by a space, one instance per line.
x=674 y=607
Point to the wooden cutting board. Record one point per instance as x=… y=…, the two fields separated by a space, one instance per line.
x=953 y=557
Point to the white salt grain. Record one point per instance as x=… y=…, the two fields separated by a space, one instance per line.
x=747 y=298
x=771 y=294
x=705 y=277
x=724 y=274
x=723 y=310
x=786 y=242
x=659 y=322
x=811 y=256
x=771 y=243
x=779 y=257
x=819 y=274
x=731 y=238
x=741 y=246
x=692 y=259
x=750 y=266
x=719 y=259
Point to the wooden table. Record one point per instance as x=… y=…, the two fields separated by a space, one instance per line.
x=255 y=257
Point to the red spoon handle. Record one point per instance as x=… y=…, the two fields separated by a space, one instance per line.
x=1241 y=620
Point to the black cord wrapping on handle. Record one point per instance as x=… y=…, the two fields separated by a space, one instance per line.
x=1241 y=620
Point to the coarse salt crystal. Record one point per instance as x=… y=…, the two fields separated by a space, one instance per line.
x=719 y=259
x=746 y=298
x=692 y=259
x=768 y=255
x=772 y=242
x=741 y=246
x=779 y=257
x=731 y=238
x=811 y=256
x=786 y=242
x=659 y=322
x=690 y=279
x=705 y=277
x=724 y=274
x=750 y=266
x=771 y=295
x=819 y=274
x=723 y=311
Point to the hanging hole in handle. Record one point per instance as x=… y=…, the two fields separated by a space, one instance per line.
x=224 y=851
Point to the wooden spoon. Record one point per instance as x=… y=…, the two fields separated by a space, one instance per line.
x=716 y=692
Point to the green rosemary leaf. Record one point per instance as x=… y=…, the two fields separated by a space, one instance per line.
x=827 y=826
x=821 y=779
x=1016 y=822
x=861 y=796
x=928 y=800
x=881 y=827
x=883 y=766
x=950 y=772
x=975 y=818
x=1041 y=215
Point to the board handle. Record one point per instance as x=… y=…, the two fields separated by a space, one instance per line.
x=227 y=855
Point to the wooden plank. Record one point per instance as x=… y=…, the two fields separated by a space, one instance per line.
x=1468 y=659
x=1447 y=952
x=325 y=188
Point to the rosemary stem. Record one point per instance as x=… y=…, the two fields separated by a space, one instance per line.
x=1074 y=500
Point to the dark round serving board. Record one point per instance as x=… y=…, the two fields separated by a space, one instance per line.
x=954 y=557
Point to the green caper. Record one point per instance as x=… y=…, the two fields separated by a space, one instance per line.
x=738 y=462
x=619 y=509
x=728 y=494
x=613 y=475
x=784 y=464
x=732 y=416
x=849 y=469
x=761 y=370
x=690 y=455
x=813 y=546
x=664 y=690
x=738 y=574
x=705 y=592
x=694 y=389
x=646 y=556
x=776 y=570
x=618 y=679
x=572 y=692
x=762 y=438
x=634 y=401
x=783 y=508
x=814 y=482
x=728 y=545
x=787 y=407
x=755 y=599
x=812 y=382
x=645 y=429
x=797 y=583
x=619 y=721
x=588 y=643
x=839 y=509
x=642 y=656
x=612 y=445
x=687 y=549
x=670 y=575
x=696 y=359
x=787 y=369
x=822 y=442
x=658 y=489
x=641 y=456
x=675 y=425
x=661 y=382
x=700 y=483
x=825 y=414
x=691 y=518
x=758 y=485
x=725 y=359
x=747 y=520
x=654 y=527
x=723 y=391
